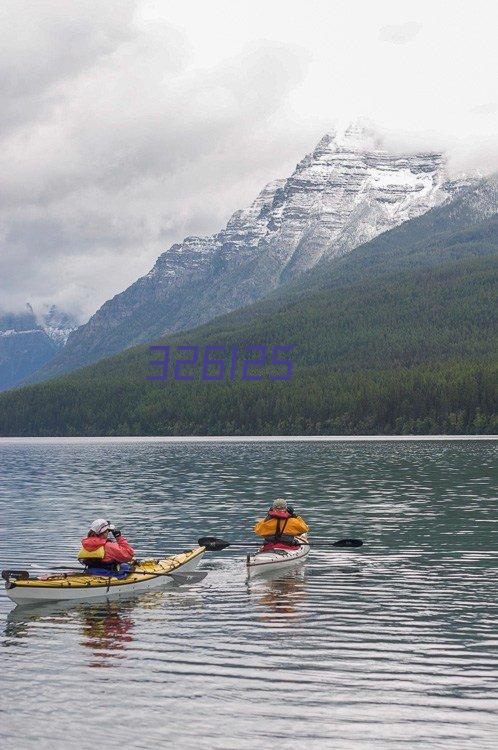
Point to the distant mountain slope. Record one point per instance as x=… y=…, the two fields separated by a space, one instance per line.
x=404 y=339
x=341 y=195
x=27 y=343
x=445 y=233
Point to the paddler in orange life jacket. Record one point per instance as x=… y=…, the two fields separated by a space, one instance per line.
x=99 y=554
x=281 y=526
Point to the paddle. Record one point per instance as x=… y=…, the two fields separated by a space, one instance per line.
x=347 y=543
x=23 y=574
x=179 y=578
x=212 y=544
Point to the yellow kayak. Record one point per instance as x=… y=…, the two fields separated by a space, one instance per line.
x=148 y=574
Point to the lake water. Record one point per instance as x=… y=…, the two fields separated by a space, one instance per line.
x=390 y=646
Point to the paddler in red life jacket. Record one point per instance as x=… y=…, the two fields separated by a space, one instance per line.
x=281 y=526
x=99 y=554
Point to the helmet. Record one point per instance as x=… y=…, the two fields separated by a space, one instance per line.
x=279 y=504
x=100 y=525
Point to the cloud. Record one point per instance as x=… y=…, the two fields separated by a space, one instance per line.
x=485 y=109
x=400 y=33
x=113 y=143
x=44 y=45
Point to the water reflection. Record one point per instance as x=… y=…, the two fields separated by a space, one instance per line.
x=279 y=595
x=106 y=628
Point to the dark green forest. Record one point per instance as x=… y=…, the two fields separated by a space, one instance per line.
x=397 y=337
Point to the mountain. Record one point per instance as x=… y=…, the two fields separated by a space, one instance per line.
x=398 y=336
x=438 y=236
x=57 y=324
x=27 y=342
x=345 y=192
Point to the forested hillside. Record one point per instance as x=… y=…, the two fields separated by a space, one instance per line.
x=401 y=340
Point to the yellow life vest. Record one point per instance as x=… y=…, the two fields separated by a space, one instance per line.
x=96 y=554
x=293 y=526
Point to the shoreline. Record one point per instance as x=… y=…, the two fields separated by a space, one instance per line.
x=246 y=439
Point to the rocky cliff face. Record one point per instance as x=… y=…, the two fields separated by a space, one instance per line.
x=347 y=191
x=27 y=342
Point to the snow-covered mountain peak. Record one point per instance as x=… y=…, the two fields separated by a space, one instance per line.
x=29 y=340
x=358 y=136
x=56 y=323
x=346 y=191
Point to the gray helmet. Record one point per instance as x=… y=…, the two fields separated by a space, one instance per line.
x=279 y=504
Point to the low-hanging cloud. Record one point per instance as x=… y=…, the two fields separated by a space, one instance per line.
x=400 y=33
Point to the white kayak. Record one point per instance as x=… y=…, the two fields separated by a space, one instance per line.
x=61 y=587
x=276 y=559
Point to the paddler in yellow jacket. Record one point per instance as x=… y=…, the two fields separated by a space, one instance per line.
x=281 y=526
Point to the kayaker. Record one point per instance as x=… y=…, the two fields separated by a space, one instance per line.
x=98 y=552
x=281 y=525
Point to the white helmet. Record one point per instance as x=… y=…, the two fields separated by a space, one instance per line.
x=100 y=525
x=280 y=504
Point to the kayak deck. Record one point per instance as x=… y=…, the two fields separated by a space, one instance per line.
x=270 y=560
x=71 y=586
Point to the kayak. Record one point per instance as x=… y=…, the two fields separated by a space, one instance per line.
x=268 y=560
x=147 y=575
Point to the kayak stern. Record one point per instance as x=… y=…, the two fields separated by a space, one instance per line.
x=276 y=559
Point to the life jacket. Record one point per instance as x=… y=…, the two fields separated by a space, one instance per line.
x=94 y=554
x=279 y=525
x=92 y=548
x=98 y=549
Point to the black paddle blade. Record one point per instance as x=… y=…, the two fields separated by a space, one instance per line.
x=22 y=574
x=212 y=544
x=182 y=578
x=348 y=543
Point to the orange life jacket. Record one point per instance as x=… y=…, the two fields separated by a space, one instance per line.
x=278 y=523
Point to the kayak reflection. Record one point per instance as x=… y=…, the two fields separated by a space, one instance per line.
x=280 y=596
x=105 y=628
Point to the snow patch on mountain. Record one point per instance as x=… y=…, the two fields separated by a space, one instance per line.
x=56 y=323
x=29 y=340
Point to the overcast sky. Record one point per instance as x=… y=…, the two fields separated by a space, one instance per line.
x=126 y=125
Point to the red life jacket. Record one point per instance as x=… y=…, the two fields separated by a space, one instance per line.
x=272 y=513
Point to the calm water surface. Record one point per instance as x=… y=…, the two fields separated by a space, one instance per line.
x=390 y=646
